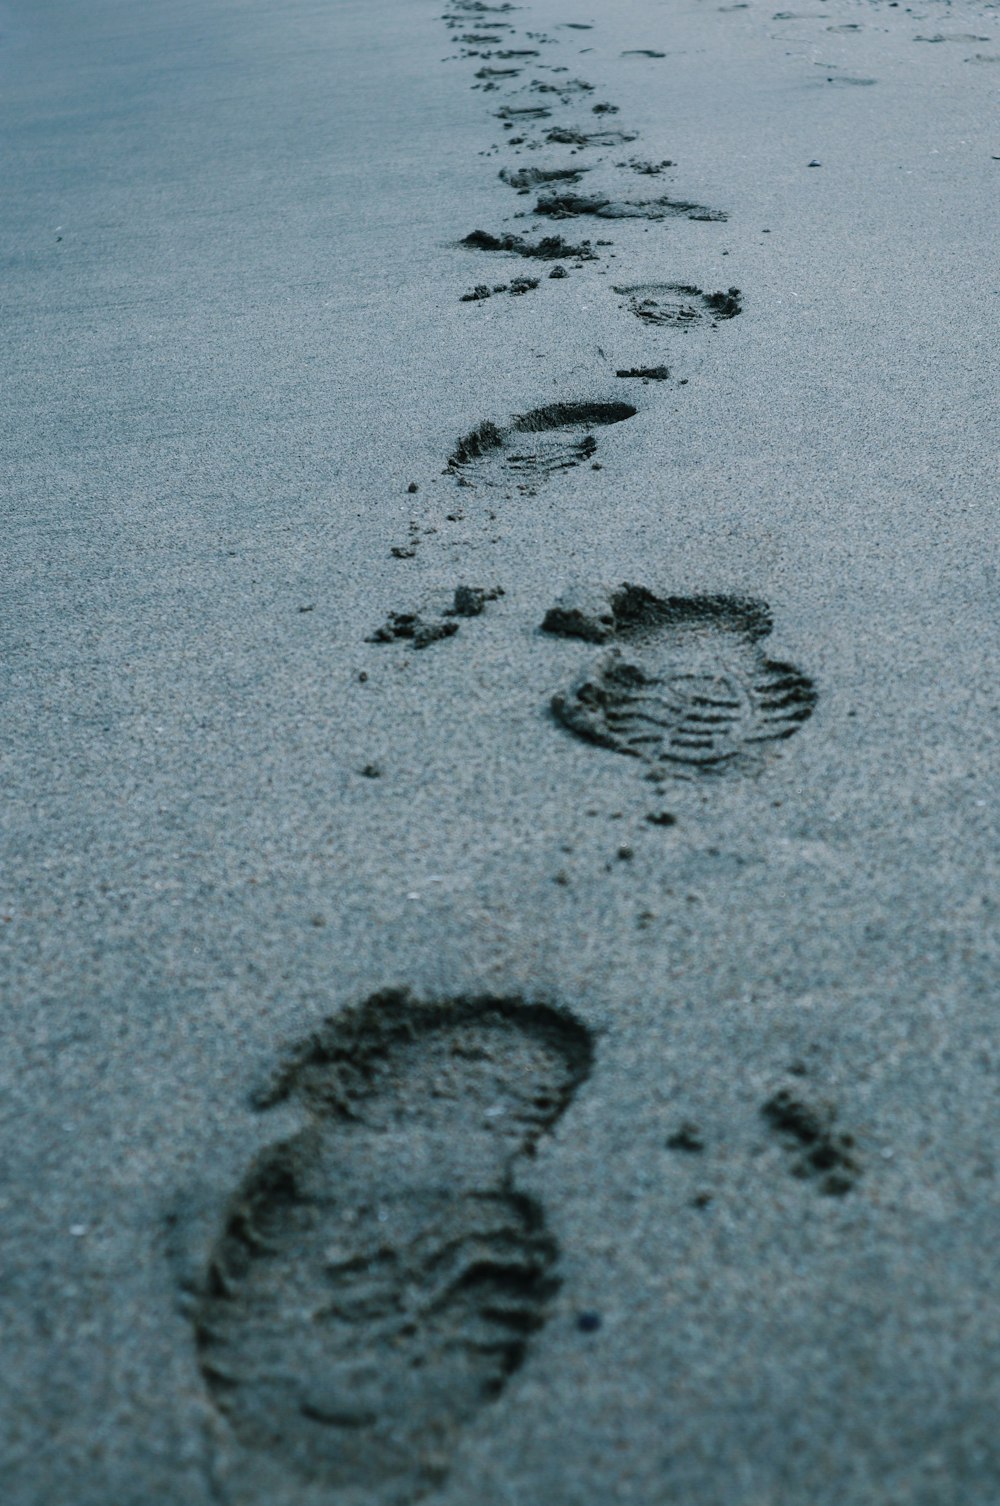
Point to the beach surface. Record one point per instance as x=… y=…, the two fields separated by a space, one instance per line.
x=499 y=829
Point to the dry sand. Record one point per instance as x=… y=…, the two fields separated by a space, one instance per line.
x=731 y=1203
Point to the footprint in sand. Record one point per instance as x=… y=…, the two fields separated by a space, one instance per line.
x=524 y=179
x=566 y=206
x=685 y=686
x=519 y=116
x=534 y=445
x=679 y=304
x=379 y=1276
x=565 y=136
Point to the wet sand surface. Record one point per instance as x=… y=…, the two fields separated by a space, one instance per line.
x=498 y=930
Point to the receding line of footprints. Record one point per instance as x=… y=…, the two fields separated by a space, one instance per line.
x=378 y=1274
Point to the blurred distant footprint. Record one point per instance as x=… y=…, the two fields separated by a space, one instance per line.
x=523 y=179
x=685 y=686
x=566 y=206
x=534 y=445
x=379 y=1275
x=953 y=36
x=566 y=136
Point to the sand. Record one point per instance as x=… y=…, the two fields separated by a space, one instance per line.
x=235 y=341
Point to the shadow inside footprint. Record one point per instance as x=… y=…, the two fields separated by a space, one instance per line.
x=378 y=1275
x=686 y=686
x=534 y=445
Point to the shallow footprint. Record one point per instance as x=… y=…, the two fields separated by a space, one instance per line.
x=686 y=687
x=566 y=206
x=526 y=178
x=565 y=136
x=680 y=304
x=534 y=445
x=379 y=1276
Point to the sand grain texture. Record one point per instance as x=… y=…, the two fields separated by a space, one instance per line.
x=697 y=1202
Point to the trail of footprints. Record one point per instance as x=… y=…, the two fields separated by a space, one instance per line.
x=684 y=685
x=378 y=1275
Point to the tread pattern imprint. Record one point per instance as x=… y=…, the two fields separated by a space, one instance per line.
x=535 y=445
x=686 y=686
x=378 y=1275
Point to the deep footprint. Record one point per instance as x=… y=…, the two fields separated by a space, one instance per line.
x=686 y=687
x=680 y=304
x=534 y=445
x=379 y=1276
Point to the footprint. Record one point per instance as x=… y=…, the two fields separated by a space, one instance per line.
x=379 y=1275
x=568 y=205
x=679 y=304
x=534 y=445
x=563 y=136
x=565 y=88
x=685 y=687
x=478 y=8
x=952 y=36
x=521 y=114
x=525 y=178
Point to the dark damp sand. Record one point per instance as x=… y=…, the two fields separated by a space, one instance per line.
x=233 y=338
